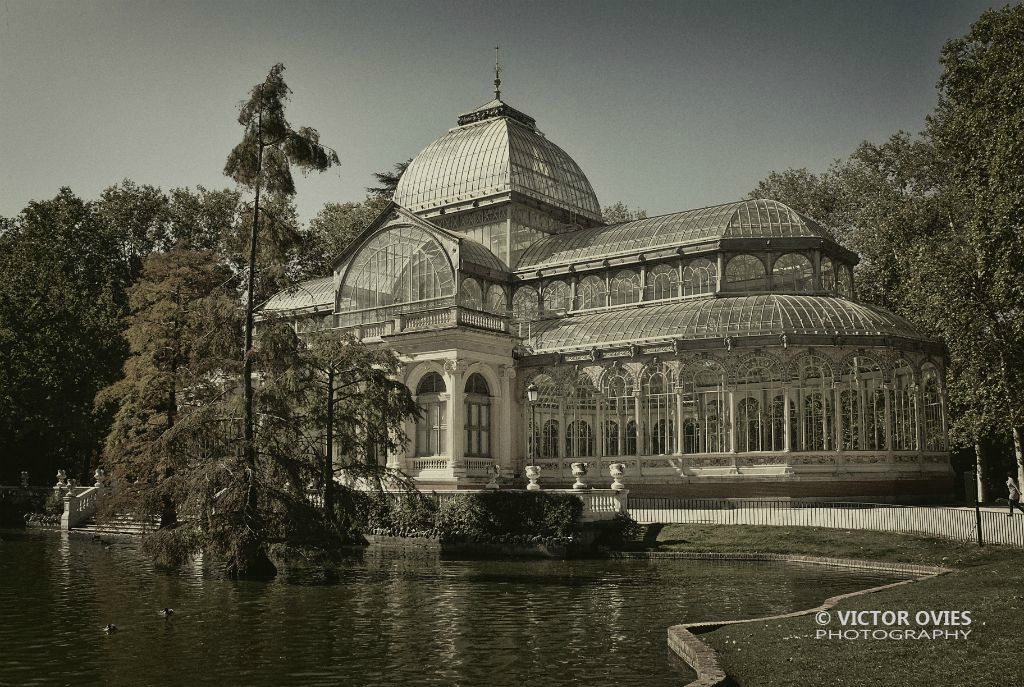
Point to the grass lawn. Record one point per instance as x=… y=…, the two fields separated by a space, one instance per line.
x=987 y=581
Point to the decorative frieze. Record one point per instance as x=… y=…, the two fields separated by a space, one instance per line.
x=757 y=461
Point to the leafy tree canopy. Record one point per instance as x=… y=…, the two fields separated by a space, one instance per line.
x=620 y=212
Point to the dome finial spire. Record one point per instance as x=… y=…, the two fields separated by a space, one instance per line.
x=497 y=74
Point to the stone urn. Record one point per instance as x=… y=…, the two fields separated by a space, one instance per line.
x=99 y=476
x=533 y=474
x=62 y=480
x=617 y=470
x=579 y=471
x=24 y=479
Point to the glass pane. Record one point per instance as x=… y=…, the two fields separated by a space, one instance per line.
x=401 y=265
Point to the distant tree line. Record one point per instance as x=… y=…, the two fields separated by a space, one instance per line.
x=938 y=219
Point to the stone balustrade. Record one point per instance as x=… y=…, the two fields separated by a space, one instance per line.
x=438 y=318
x=80 y=504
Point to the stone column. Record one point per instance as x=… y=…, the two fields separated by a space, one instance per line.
x=720 y=278
x=638 y=418
x=502 y=422
x=643 y=282
x=454 y=373
x=862 y=395
x=917 y=391
x=394 y=458
x=679 y=423
x=732 y=417
x=787 y=443
x=837 y=396
x=888 y=432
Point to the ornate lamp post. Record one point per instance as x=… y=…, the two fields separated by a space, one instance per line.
x=533 y=470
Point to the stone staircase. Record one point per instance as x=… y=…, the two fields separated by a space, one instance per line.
x=121 y=525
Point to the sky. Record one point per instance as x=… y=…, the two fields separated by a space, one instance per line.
x=666 y=106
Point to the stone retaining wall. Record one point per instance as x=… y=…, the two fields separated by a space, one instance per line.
x=704 y=660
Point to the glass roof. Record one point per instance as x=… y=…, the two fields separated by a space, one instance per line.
x=307 y=294
x=471 y=251
x=743 y=219
x=495 y=155
x=706 y=318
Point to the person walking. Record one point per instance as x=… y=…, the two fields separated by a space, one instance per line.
x=1014 y=499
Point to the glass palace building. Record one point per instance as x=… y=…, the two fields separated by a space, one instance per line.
x=720 y=351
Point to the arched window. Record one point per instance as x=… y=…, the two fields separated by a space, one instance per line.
x=590 y=293
x=579 y=440
x=659 y=398
x=629 y=445
x=862 y=406
x=934 y=436
x=691 y=436
x=777 y=422
x=549 y=441
x=497 y=300
x=556 y=297
x=478 y=416
x=828 y=274
x=624 y=287
x=706 y=410
x=431 y=428
x=904 y=409
x=662 y=282
x=611 y=438
x=581 y=414
x=750 y=427
x=470 y=294
x=699 y=276
x=619 y=391
x=844 y=281
x=403 y=265
x=817 y=421
x=793 y=272
x=761 y=411
x=544 y=435
x=620 y=409
x=524 y=309
x=746 y=273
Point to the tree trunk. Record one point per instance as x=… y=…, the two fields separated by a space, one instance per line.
x=247 y=358
x=979 y=471
x=1018 y=451
x=329 y=458
x=250 y=449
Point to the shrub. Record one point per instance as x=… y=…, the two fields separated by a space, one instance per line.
x=509 y=514
x=519 y=516
x=394 y=513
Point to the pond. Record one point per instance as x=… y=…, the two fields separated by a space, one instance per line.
x=387 y=621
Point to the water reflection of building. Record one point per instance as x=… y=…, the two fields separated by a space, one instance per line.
x=713 y=351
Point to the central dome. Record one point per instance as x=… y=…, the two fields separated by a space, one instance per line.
x=496 y=150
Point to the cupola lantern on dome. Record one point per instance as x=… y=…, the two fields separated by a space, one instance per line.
x=497 y=159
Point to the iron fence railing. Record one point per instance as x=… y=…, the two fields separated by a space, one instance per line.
x=959 y=523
